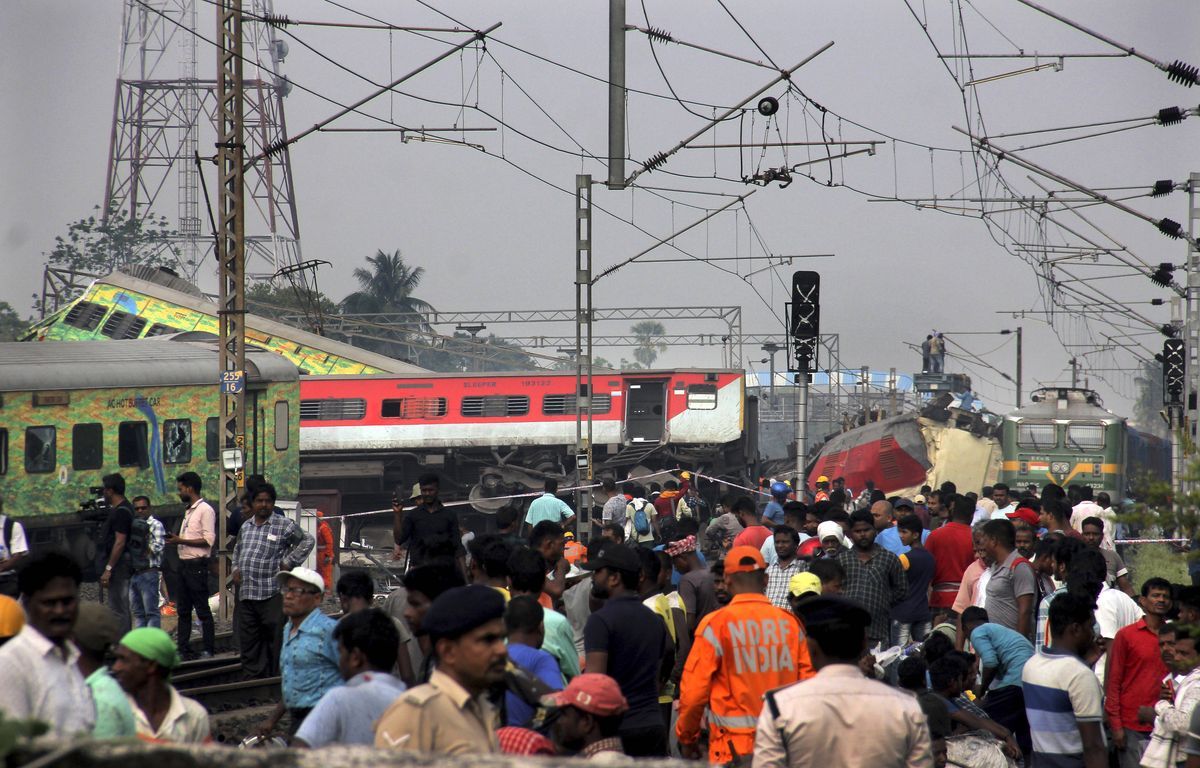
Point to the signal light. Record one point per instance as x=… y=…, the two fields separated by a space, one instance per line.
x=1173 y=371
x=806 y=317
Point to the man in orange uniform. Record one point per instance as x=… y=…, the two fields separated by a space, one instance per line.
x=324 y=550
x=739 y=653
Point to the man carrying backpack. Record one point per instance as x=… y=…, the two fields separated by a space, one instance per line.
x=641 y=519
x=147 y=538
x=13 y=549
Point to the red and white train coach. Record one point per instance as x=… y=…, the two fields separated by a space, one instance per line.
x=494 y=433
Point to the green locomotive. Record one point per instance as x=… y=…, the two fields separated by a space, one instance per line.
x=1066 y=436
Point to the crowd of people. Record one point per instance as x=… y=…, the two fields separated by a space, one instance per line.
x=998 y=628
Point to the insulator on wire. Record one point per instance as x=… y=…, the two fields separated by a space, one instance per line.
x=1163 y=275
x=1183 y=73
x=276 y=20
x=1170 y=228
x=1162 y=187
x=656 y=161
x=662 y=35
x=1170 y=116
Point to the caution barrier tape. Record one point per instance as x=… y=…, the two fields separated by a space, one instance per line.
x=1151 y=541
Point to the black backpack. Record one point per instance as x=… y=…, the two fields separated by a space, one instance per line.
x=138 y=545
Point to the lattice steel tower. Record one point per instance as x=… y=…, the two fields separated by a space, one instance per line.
x=164 y=112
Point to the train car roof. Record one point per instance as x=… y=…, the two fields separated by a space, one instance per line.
x=1078 y=405
x=160 y=361
x=596 y=373
x=200 y=303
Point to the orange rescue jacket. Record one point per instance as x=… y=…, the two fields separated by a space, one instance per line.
x=739 y=653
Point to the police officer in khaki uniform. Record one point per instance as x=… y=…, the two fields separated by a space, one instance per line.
x=449 y=714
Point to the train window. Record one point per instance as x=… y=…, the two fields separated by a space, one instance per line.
x=177 y=441
x=123 y=325
x=1037 y=436
x=41 y=450
x=702 y=397
x=212 y=439
x=281 y=425
x=87 y=446
x=413 y=408
x=3 y=451
x=347 y=409
x=556 y=405
x=133 y=444
x=1085 y=437
x=159 y=329
x=86 y=315
x=495 y=405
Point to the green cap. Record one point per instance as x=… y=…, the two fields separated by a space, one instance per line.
x=154 y=644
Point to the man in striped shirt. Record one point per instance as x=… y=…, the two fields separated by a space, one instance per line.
x=1063 y=699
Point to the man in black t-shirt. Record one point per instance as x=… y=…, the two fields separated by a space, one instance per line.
x=115 y=577
x=626 y=641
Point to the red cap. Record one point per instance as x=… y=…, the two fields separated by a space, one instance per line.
x=593 y=693
x=735 y=560
x=1025 y=515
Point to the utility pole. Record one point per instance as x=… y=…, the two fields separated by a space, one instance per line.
x=1191 y=319
x=1074 y=372
x=616 y=94
x=583 y=317
x=231 y=259
x=1020 y=363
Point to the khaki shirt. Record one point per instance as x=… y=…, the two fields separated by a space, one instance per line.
x=846 y=719
x=440 y=716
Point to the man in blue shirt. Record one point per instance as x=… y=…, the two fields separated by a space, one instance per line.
x=523 y=620
x=885 y=523
x=772 y=514
x=368 y=645
x=308 y=661
x=548 y=507
x=1002 y=655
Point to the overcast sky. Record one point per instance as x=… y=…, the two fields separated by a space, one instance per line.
x=492 y=237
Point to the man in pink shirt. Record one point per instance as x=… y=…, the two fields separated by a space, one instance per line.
x=196 y=538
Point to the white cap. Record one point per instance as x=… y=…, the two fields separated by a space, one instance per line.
x=307 y=575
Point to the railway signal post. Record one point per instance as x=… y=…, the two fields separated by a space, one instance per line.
x=231 y=261
x=805 y=315
x=583 y=317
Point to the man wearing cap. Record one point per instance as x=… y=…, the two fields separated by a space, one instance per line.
x=801 y=587
x=822 y=489
x=39 y=679
x=589 y=717
x=625 y=640
x=308 y=661
x=95 y=632
x=266 y=544
x=838 y=715
x=450 y=714
x=145 y=658
x=741 y=651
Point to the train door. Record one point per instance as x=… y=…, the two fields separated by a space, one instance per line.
x=645 y=411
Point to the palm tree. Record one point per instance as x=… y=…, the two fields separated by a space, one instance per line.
x=648 y=350
x=387 y=288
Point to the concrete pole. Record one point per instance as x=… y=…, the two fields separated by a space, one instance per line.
x=801 y=430
x=616 y=94
x=1020 y=361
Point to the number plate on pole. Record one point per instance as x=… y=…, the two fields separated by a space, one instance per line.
x=232 y=382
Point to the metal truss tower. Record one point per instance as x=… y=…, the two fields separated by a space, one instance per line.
x=164 y=112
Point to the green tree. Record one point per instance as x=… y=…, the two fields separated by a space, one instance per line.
x=387 y=288
x=12 y=327
x=647 y=349
x=287 y=304
x=102 y=245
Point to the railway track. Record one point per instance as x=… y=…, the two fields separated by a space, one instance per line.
x=240 y=694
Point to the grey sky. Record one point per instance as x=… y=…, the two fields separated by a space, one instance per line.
x=491 y=237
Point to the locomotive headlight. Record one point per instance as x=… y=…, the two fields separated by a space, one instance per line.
x=1060 y=467
x=1096 y=470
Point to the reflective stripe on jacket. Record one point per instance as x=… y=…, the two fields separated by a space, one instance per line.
x=739 y=653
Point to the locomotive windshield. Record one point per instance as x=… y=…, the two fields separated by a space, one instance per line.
x=1036 y=436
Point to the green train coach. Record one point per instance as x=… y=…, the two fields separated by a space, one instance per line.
x=1066 y=436
x=72 y=412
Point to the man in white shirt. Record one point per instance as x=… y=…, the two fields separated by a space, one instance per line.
x=13 y=549
x=1005 y=504
x=1086 y=508
x=39 y=679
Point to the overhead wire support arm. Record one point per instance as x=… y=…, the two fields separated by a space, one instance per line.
x=1178 y=71
x=661 y=158
x=661 y=35
x=278 y=146
x=672 y=236
x=1168 y=227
